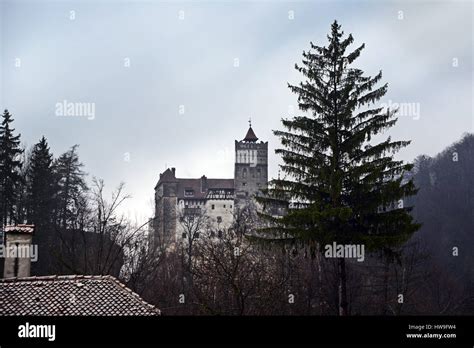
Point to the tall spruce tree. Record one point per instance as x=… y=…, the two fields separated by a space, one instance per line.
x=10 y=164
x=41 y=194
x=41 y=186
x=348 y=190
x=71 y=187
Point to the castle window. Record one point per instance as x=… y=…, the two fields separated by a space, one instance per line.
x=244 y=184
x=184 y=235
x=219 y=219
x=231 y=206
x=244 y=173
x=188 y=193
x=224 y=205
x=213 y=207
x=259 y=172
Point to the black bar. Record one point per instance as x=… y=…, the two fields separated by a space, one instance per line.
x=242 y=330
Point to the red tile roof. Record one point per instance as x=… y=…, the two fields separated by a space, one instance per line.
x=71 y=295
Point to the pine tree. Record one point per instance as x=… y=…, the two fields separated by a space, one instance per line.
x=9 y=169
x=347 y=190
x=41 y=187
x=71 y=187
x=40 y=203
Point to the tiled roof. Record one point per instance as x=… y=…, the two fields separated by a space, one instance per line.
x=167 y=176
x=195 y=185
x=71 y=295
x=199 y=186
x=19 y=228
x=250 y=135
x=220 y=183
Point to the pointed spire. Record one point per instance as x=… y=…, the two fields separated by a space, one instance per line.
x=250 y=133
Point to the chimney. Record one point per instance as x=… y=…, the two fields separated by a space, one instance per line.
x=173 y=170
x=18 y=250
x=203 y=184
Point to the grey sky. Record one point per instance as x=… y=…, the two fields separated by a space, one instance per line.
x=190 y=62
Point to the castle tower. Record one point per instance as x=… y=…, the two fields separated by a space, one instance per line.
x=164 y=224
x=251 y=166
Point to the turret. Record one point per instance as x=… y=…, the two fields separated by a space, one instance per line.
x=251 y=166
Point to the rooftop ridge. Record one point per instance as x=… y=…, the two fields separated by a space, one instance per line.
x=54 y=277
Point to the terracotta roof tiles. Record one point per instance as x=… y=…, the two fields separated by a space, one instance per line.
x=71 y=295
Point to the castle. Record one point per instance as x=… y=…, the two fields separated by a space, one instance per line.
x=176 y=198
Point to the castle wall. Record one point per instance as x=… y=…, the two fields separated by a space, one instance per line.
x=165 y=214
x=220 y=208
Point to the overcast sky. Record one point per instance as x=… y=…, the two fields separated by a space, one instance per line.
x=137 y=62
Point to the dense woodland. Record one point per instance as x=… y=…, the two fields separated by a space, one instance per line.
x=75 y=228
x=419 y=258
